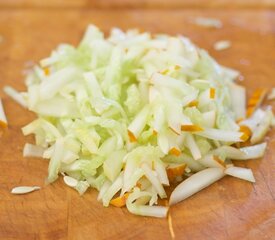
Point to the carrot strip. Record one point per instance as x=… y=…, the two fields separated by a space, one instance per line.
x=246 y=130
x=131 y=136
x=174 y=172
x=120 y=201
x=3 y=124
x=46 y=71
x=244 y=137
x=191 y=128
x=212 y=93
x=175 y=151
x=255 y=100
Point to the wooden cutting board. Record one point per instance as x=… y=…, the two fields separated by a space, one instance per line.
x=230 y=209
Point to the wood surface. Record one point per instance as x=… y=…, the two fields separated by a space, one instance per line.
x=228 y=210
x=147 y=4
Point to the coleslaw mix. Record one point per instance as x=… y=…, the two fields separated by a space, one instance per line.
x=131 y=113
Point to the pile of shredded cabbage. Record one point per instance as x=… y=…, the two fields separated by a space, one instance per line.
x=133 y=113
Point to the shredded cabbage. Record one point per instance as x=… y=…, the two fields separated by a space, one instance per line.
x=117 y=113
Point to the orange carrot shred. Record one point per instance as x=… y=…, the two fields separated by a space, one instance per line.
x=244 y=137
x=120 y=201
x=174 y=172
x=212 y=93
x=249 y=111
x=3 y=124
x=46 y=71
x=255 y=100
x=191 y=128
x=131 y=136
x=246 y=130
x=174 y=151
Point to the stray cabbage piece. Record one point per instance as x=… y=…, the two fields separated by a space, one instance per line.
x=31 y=150
x=208 y=22
x=15 y=95
x=222 y=45
x=3 y=118
x=242 y=173
x=24 y=189
x=271 y=95
x=131 y=113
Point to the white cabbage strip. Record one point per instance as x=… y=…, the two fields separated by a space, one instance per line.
x=24 y=189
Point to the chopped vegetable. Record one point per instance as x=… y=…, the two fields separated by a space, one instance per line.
x=208 y=22
x=3 y=118
x=70 y=181
x=255 y=101
x=176 y=171
x=24 y=189
x=195 y=183
x=271 y=95
x=243 y=173
x=120 y=201
x=16 y=96
x=222 y=45
x=132 y=113
x=31 y=150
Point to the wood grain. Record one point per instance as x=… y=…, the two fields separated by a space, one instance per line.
x=146 y=4
x=228 y=210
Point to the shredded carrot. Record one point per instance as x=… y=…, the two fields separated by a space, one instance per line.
x=174 y=151
x=212 y=93
x=239 y=120
x=246 y=130
x=193 y=103
x=191 y=128
x=250 y=111
x=131 y=136
x=244 y=137
x=174 y=172
x=252 y=102
x=3 y=124
x=218 y=160
x=120 y=201
x=46 y=71
x=255 y=100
